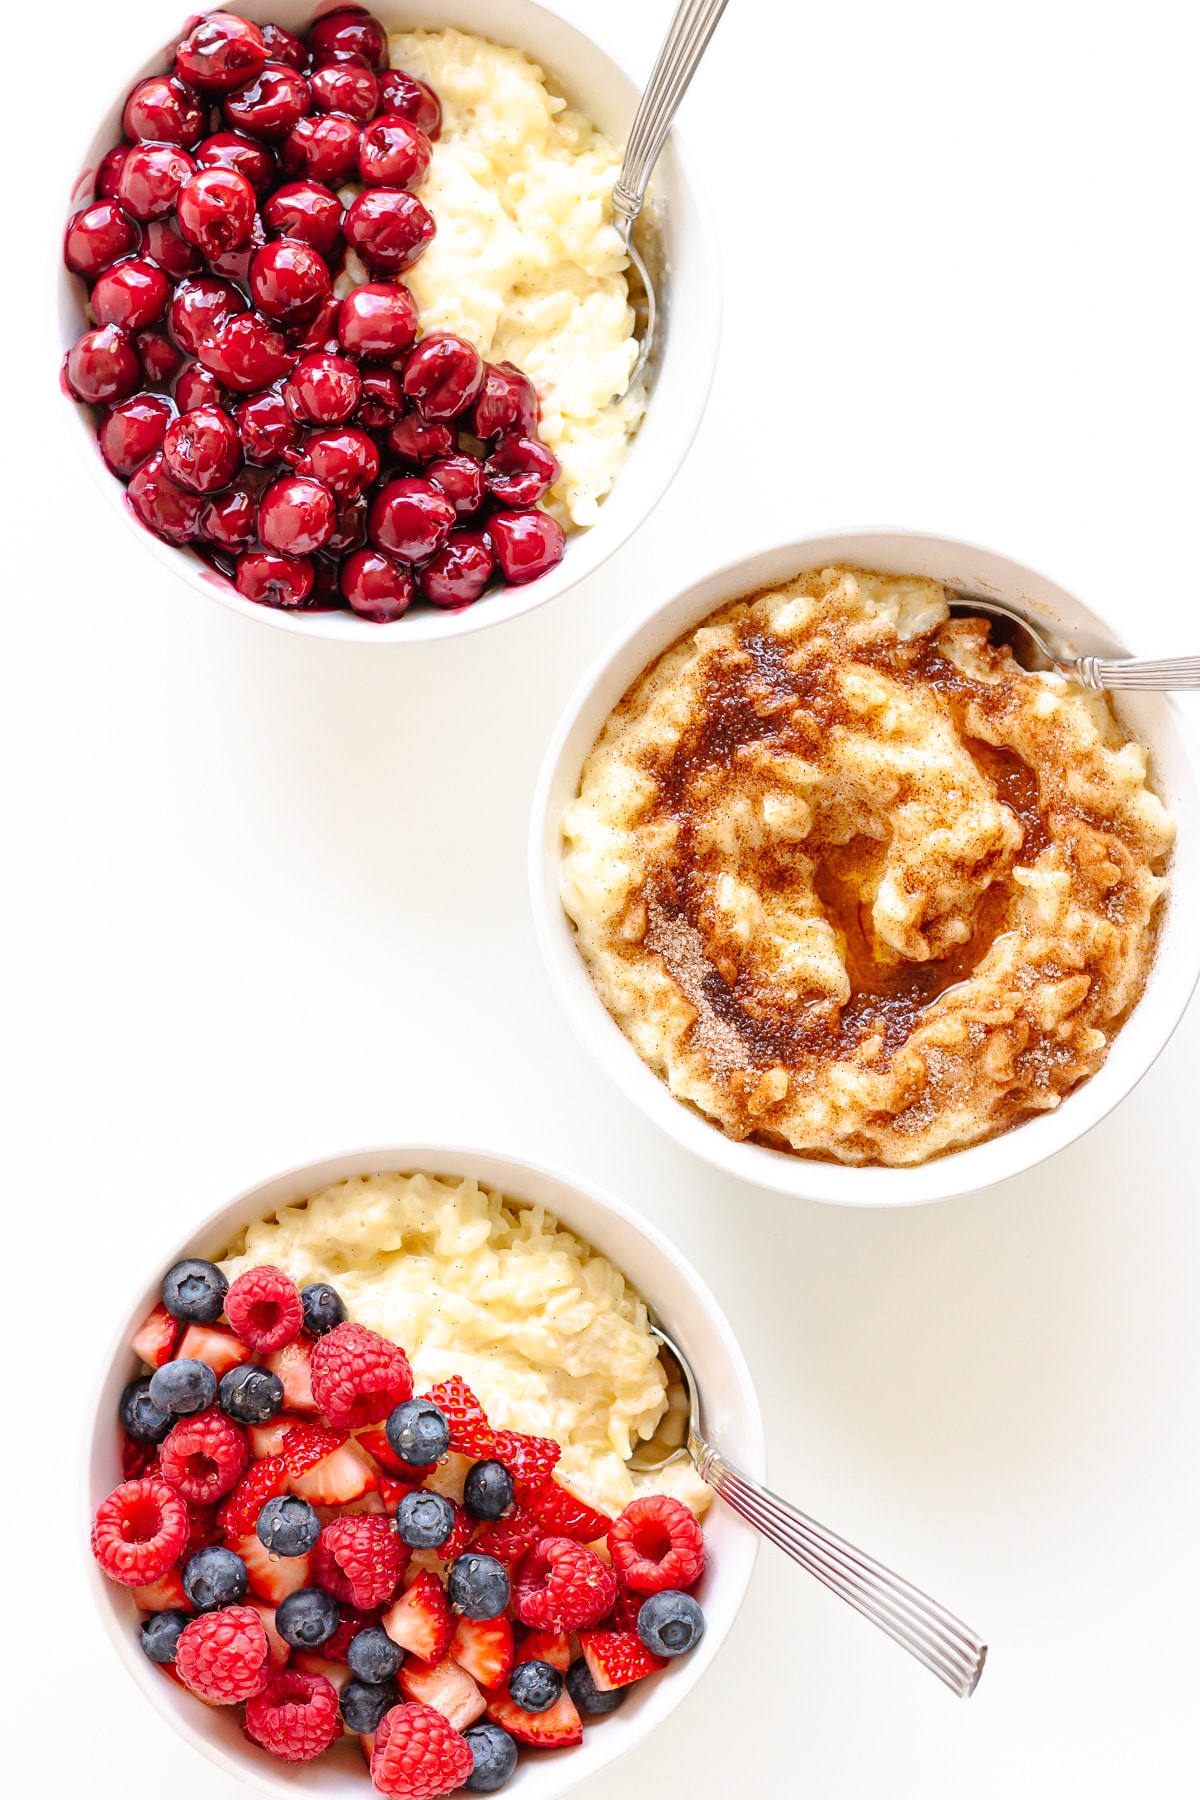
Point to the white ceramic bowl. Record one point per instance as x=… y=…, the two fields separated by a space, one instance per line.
x=688 y=1311
x=1149 y=717
x=685 y=357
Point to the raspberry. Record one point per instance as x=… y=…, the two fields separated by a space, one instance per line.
x=295 y=1717
x=139 y=1532
x=137 y=1459
x=657 y=1543
x=359 y=1560
x=460 y=1537
x=561 y=1514
x=358 y=1376
x=264 y=1480
x=510 y=1537
x=224 y=1656
x=470 y=1433
x=203 y=1456
x=304 y=1446
x=417 y=1754
x=528 y=1460
x=265 y=1309
x=560 y=1586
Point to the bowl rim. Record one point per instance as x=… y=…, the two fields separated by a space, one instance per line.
x=445 y=1158
x=957 y=1172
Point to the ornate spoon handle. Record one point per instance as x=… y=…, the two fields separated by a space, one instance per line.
x=1162 y=672
x=686 y=41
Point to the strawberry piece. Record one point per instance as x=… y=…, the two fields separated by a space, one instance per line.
x=164 y=1595
x=305 y=1445
x=271 y=1578
x=374 y=1442
x=484 y=1648
x=470 y=1433
x=557 y=1727
x=309 y=1663
x=562 y=1514
x=528 y=1460
x=460 y=1537
x=446 y=1686
x=267 y=1440
x=214 y=1345
x=509 y=1538
x=204 y=1528
x=392 y=1491
x=337 y=1479
x=278 y=1648
x=553 y=1647
x=291 y=1364
x=154 y=1339
x=262 y=1481
x=615 y=1658
x=353 y=1622
x=421 y=1620
x=624 y=1615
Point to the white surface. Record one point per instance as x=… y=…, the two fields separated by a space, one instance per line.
x=267 y=899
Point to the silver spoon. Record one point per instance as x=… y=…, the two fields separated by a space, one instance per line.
x=685 y=43
x=940 y=1642
x=1096 y=672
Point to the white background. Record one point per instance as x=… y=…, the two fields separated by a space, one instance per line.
x=268 y=896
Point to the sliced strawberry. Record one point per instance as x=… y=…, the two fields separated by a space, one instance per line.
x=162 y=1595
x=624 y=1615
x=446 y=1686
x=528 y=1460
x=353 y=1622
x=510 y=1537
x=336 y=1479
x=306 y=1444
x=154 y=1339
x=561 y=1514
x=615 y=1658
x=553 y=1647
x=263 y=1481
x=470 y=1433
x=460 y=1537
x=421 y=1620
x=392 y=1491
x=280 y=1649
x=267 y=1440
x=205 y=1528
x=291 y=1364
x=309 y=1663
x=484 y=1648
x=374 y=1442
x=271 y=1578
x=215 y=1345
x=555 y=1728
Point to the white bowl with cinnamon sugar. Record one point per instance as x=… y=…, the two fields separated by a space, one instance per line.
x=847 y=902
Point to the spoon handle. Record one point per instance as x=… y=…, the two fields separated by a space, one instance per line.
x=1163 y=672
x=686 y=41
x=939 y=1641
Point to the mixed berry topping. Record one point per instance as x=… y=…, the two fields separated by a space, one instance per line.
x=317 y=451
x=306 y=1536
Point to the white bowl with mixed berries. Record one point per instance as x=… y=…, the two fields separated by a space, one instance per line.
x=308 y=1565
x=250 y=373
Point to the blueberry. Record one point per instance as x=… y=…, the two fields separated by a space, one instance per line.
x=535 y=1685
x=495 y=1756
x=587 y=1696
x=306 y=1617
x=160 y=1634
x=478 y=1586
x=288 y=1526
x=139 y=1415
x=214 y=1577
x=418 y=1432
x=372 y=1655
x=194 y=1290
x=250 y=1394
x=186 y=1386
x=364 y=1703
x=323 y=1308
x=670 y=1623
x=488 y=1490
x=423 y=1521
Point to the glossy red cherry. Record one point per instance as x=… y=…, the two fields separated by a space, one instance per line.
x=507 y=402
x=163 y=110
x=272 y=579
x=221 y=51
x=345 y=460
x=527 y=544
x=350 y=532
x=96 y=236
x=233 y=150
x=377 y=319
x=231 y=519
x=164 y=246
x=383 y=402
x=296 y=516
x=317 y=333
x=198 y=386
x=459 y=572
x=324 y=147
x=443 y=376
x=235 y=264
x=393 y=153
x=160 y=359
x=412 y=100
x=376 y=586
x=134 y=430
x=132 y=294
x=519 y=471
x=346 y=88
x=201 y=450
x=102 y=366
x=267 y=429
x=410 y=519
x=389 y=229
x=247 y=354
x=308 y=211
x=215 y=211
x=284 y=47
x=162 y=504
x=417 y=440
x=109 y=172
x=289 y=280
x=460 y=478
x=349 y=33
x=323 y=389
x=201 y=308
x=151 y=177
x=271 y=104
